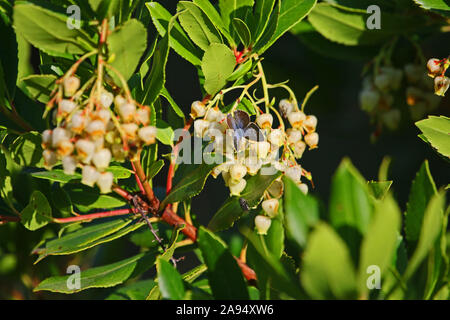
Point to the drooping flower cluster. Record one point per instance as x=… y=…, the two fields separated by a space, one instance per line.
x=250 y=148
x=380 y=90
x=437 y=69
x=90 y=134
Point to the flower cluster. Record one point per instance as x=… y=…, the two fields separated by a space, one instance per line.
x=418 y=96
x=250 y=148
x=379 y=91
x=89 y=134
x=437 y=69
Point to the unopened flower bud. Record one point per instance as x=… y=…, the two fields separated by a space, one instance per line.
x=295 y=173
x=441 y=85
x=414 y=73
x=299 y=148
x=263 y=148
x=303 y=188
x=69 y=165
x=392 y=118
x=253 y=165
x=293 y=135
x=238 y=187
x=262 y=224
x=71 y=85
x=310 y=123
x=237 y=172
x=130 y=130
x=285 y=107
x=106 y=99
x=119 y=100
x=47 y=138
x=265 y=121
x=65 y=148
x=312 y=139
x=413 y=95
x=85 y=150
x=296 y=119
x=101 y=159
x=147 y=134
x=127 y=111
x=276 y=137
x=118 y=152
x=369 y=99
x=104 y=115
x=200 y=127
x=65 y=107
x=143 y=116
x=435 y=67
x=96 y=128
x=198 y=109
x=89 y=176
x=270 y=207
x=59 y=135
x=50 y=158
x=213 y=115
x=77 y=122
x=276 y=189
x=105 y=181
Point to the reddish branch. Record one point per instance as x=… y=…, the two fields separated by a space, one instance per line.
x=170 y=217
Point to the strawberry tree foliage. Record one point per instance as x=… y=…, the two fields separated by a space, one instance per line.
x=89 y=134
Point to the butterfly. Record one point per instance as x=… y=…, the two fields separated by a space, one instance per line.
x=239 y=121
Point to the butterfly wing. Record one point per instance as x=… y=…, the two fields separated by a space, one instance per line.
x=253 y=132
x=237 y=121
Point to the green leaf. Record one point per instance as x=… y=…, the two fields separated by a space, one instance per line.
x=215 y=17
x=56 y=175
x=434 y=4
x=327 y=271
x=231 y=210
x=26 y=150
x=217 y=65
x=431 y=228
x=423 y=189
x=127 y=43
x=99 y=277
x=301 y=212
x=197 y=25
x=155 y=167
x=172 y=102
x=350 y=205
x=242 y=31
x=269 y=269
x=437 y=132
x=224 y=274
x=348 y=26
x=157 y=77
x=75 y=241
x=190 y=185
x=37 y=213
x=241 y=71
x=164 y=132
x=179 y=41
x=379 y=244
x=86 y=198
x=8 y=60
x=230 y=9
x=119 y=172
x=263 y=9
x=169 y=281
x=135 y=291
x=48 y=31
x=6 y=189
x=291 y=13
x=318 y=43
x=379 y=189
